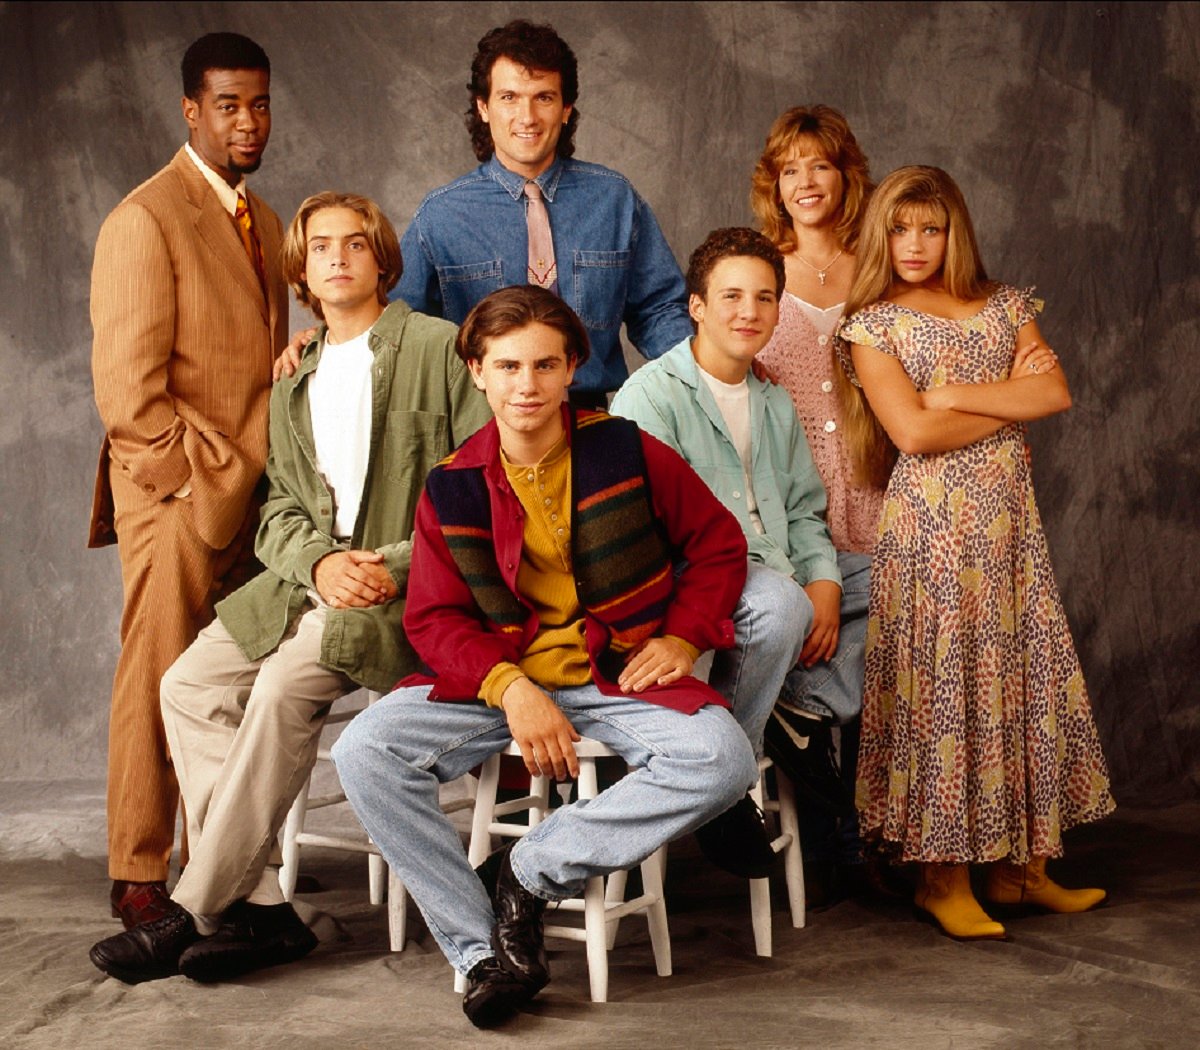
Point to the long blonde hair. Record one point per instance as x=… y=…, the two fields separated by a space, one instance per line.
x=963 y=277
x=825 y=131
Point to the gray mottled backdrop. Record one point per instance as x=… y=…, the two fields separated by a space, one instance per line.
x=1071 y=127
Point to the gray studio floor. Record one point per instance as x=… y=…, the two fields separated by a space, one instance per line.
x=862 y=974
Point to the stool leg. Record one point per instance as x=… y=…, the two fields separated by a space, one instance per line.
x=596 y=938
x=485 y=805
x=397 y=897
x=614 y=893
x=760 y=915
x=656 y=913
x=376 y=877
x=760 y=894
x=793 y=855
x=292 y=826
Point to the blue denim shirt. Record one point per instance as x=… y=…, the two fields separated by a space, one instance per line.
x=469 y=238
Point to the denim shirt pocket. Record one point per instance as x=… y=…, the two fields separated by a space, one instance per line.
x=463 y=286
x=600 y=285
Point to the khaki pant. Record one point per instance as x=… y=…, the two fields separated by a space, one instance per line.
x=243 y=735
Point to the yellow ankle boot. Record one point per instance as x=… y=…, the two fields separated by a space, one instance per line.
x=1009 y=883
x=944 y=891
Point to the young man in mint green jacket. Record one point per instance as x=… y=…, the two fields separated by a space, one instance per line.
x=741 y=435
x=378 y=398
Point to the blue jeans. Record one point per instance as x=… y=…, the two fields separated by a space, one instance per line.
x=832 y=689
x=770 y=623
x=393 y=756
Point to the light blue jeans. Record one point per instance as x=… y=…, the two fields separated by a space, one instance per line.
x=832 y=689
x=771 y=621
x=392 y=757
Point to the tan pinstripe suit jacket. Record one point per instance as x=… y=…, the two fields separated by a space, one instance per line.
x=184 y=340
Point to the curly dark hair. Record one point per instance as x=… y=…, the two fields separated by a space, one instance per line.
x=729 y=242
x=219 y=51
x=536 y=47
x=519 y=306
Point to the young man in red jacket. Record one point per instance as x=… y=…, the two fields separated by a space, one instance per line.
x=567 y=571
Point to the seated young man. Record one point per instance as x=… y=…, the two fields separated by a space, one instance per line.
x=379 y=397
x=742 y=436
x=567 y=570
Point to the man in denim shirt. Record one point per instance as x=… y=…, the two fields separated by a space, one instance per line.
x=469 y=238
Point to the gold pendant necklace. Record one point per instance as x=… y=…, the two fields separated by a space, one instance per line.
x=820 y=271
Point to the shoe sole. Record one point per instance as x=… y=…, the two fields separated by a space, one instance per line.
x=930 y=918
x=128 y=976
x=215 y=965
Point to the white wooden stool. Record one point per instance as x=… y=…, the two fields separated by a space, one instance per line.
x=601 y=911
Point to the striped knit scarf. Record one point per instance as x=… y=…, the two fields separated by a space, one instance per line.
x=622 y=564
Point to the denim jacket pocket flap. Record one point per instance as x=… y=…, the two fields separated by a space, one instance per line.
x=480 y=271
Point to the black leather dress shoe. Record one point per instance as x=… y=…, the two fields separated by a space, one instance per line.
x=137 y=902
x=803 y=749
x=493 y=994
x=149 y=951
x=250 y=937
x=517 y=937
x=737 y=841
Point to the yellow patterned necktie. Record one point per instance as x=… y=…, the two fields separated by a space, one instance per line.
x=245 y=227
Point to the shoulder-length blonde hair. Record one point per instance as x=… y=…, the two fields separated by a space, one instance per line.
x=925 y=190
x=823 y=131
x=381 y=237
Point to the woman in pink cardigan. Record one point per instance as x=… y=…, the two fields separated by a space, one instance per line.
x=809 y=190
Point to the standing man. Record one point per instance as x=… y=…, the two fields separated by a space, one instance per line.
x=379 y=397
x=188 y=312
x=567 y=571
x=529 y=214
x=741 y=435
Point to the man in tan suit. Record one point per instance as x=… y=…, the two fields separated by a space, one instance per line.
x=189 y=311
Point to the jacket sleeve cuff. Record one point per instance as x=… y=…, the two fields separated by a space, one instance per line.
x=498 y=679
x=687 y=646
x=397 y=557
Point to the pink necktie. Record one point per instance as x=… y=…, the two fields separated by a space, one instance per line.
x=543 y=271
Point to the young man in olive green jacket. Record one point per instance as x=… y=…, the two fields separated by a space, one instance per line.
x=378 y=398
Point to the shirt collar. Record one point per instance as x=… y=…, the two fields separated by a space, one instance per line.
x=514 y=184
x=226 y=194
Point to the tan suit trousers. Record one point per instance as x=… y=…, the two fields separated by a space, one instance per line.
x=171 y=579
x=244 y=736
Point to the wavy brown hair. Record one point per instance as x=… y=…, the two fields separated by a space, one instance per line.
x=381 y=236
x=927 y=191
x=823 y=131
x=533 y=47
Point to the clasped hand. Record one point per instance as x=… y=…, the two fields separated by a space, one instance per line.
x=354 y=580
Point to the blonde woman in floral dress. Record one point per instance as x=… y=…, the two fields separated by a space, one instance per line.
x=978 y=743
x=810 y=188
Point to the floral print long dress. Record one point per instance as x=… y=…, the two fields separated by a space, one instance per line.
x=978 y=741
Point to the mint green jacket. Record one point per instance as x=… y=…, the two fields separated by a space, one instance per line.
x=668 y=398
x=423 y=404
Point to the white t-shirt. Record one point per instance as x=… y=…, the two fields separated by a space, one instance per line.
x=339 y=401
x=733 y=402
